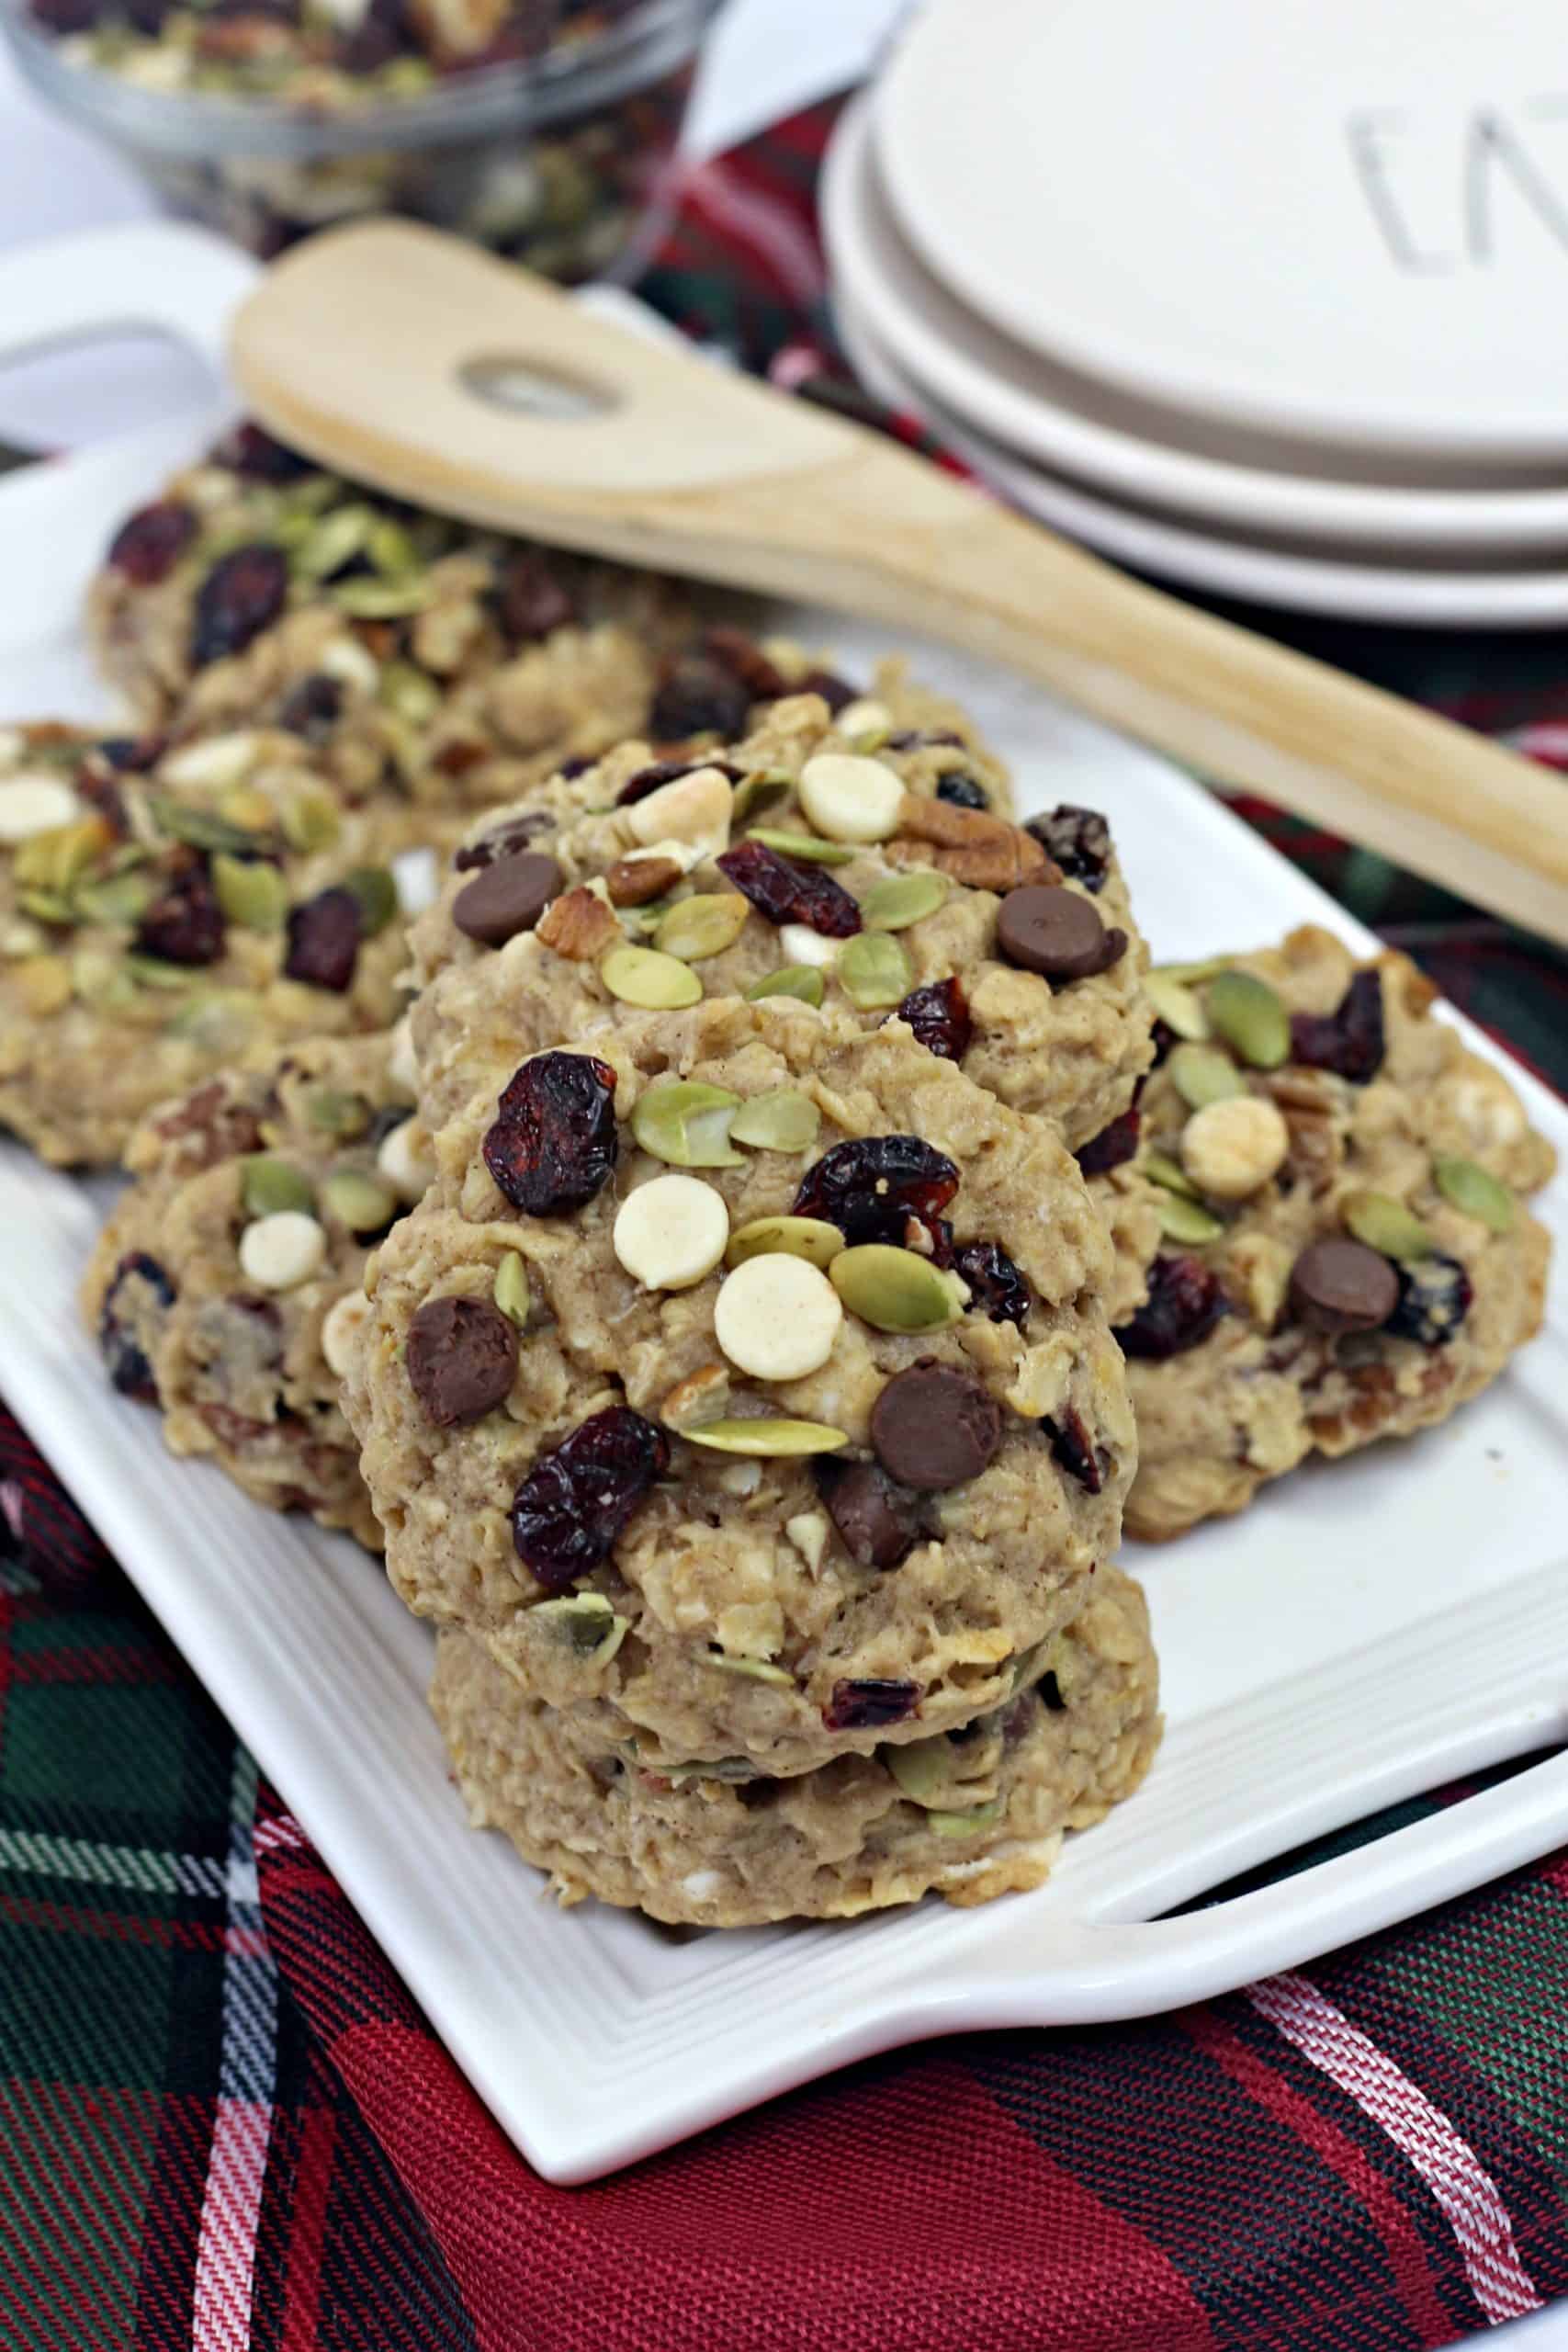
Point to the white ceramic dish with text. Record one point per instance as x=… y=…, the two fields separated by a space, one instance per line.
x=1358 y=1637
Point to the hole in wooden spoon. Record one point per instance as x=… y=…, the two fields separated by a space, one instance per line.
x=506 y=379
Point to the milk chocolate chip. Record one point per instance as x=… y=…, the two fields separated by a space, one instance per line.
x=933 y=1427
x=1044 y=928
x=878 y=1523
x=461 y=1357
x=507 y=898
x=1339 y=1287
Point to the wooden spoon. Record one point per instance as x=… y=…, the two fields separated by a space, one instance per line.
x=416 y=363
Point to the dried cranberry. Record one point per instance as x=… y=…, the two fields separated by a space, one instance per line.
x=939 y=1015
x=836 y=692
x=323 y=941
x=251 y=452
x=1184 y=1304
x=997 y=1288
x=381 y=35
x=139 y=1291
x=313 y=707
x=148 y=15
x=1113 y=1146
x=1350 y=1040
x=503 y=840
x=529 y=600
x=185 y=924
x=657 y=772
x=785 y=893
x=1165 y=1041
x=962 y=791
x=1435 y=1296
x=745 y=659
x=576 y=1500
x=1077 y=839
x=872 y=1185
x=1075 y=1450
x=104 y=797
x=131 y=755
x=243 y=594
x=700 y=697
x=150 y=543
x=553 y=1143
x=866 y=1706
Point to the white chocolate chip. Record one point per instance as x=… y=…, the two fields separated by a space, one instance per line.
x=694 y=809
x=798 y=943
x=35 y=802
x=351 y=663
x=403 y=1064
x=418 y=879
x=404 y=1159
x=777 y=1317
x=697 y=1886
x=864 y=715
x=282 y=1251
x=341 y=1329
x=1487 y=1108
x=851 y=798
x=808 y=1531
x=221 y=760
x=1229 y=1148
x=670 y=1232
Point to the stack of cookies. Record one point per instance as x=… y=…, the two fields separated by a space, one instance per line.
x=629 y=1122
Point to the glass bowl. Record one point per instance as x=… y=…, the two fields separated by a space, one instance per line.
x=563 y=162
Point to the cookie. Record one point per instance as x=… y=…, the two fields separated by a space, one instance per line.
x=226 y=1289
x=972 y=1814
x=795 y=862
x=159 y=922
x=1346 y=1255
x=800 y=1497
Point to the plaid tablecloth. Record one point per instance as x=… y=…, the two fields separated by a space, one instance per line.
x=223 y=2123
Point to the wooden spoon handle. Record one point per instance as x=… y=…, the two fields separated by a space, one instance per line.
x=417 y=363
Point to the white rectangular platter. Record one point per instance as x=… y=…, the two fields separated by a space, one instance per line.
x=1358 y=1635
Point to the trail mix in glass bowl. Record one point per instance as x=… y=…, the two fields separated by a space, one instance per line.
x=544 y=128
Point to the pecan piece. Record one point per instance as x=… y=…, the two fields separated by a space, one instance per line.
x=579 y=925
x=632 y=881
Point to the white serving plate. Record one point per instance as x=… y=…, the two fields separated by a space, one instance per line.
x=1357 y=1637
x=1336 y=220
x=1423 y=594
x=1043 y=412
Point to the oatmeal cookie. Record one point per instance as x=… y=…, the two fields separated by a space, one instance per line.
x=227 y=1288
x=795 y=863
x=158 y=922
x=1346 y=1252
x=972 y=1814
x=819 y=1495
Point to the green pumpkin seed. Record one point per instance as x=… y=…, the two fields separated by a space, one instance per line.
x=966 y=1824
x=121 y=898
x=48 y=906
x=1161 y=1169
x=101 y=980
x=702 y=926
x=872 y=970
x=1247 y=1015
x=760 y=1669
x=1193 y=974
x=335 y=1113
x=729 y=1768
x=807 y=846
x=929 y=1772
x=1185 y=1220
x=800 y=1237
x=267 y=1185
x=584 y=1623
x=897 y=1290
x=1475 y=1192
x=801 y=981
x=772 y=1440
x=152 y=972
x=361 y=1202
x=408 y=691
x=310 y=821
x=782 y=1121
x=1176 y=1005
x=306 y=500
x=380 y=600
x=59 y=858
x=201 y=827
x=1385 y=1225
x=657 y=983
x=510 y=1289
x=760 y=791
x=376 y=893
x=217 y=1019
x=251 y=892
x=1202 y=1074
x=899 y=899
x=390 y=549
x=333 y=542
x=687 y=1123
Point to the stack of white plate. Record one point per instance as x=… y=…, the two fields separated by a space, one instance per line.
x=1272 y=300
